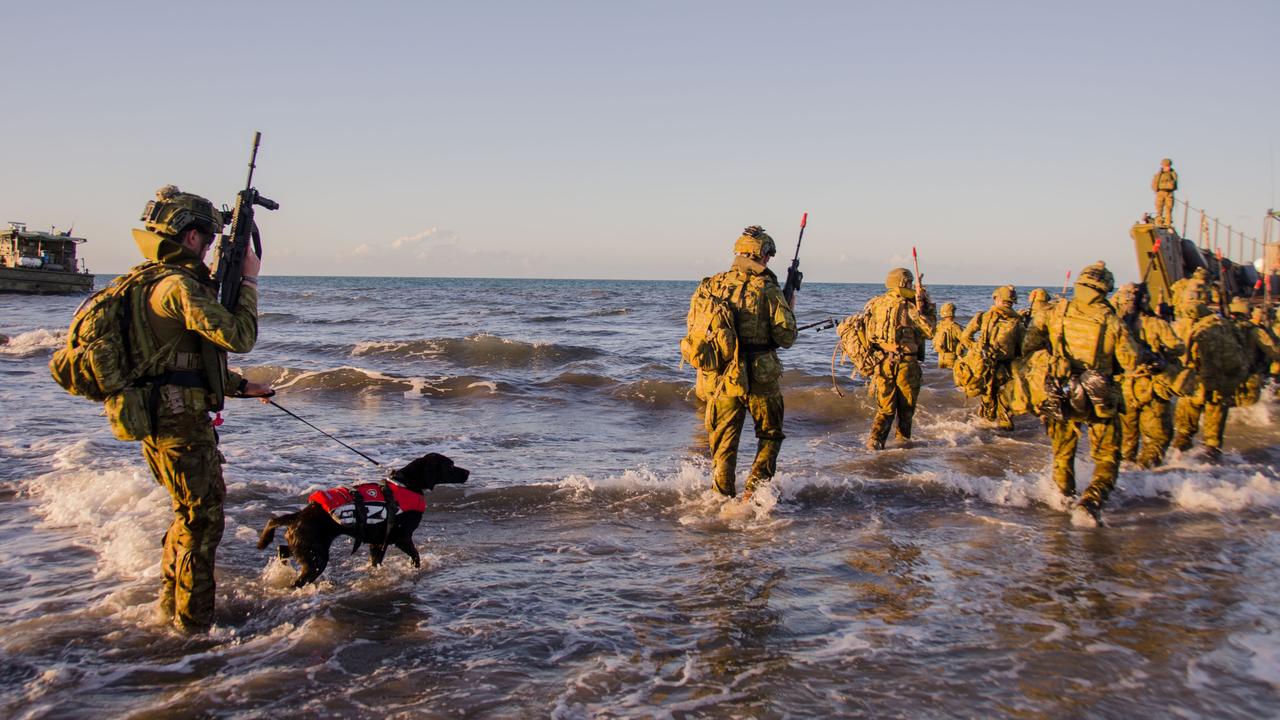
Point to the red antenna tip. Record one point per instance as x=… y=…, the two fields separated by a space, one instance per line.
x=804 y=220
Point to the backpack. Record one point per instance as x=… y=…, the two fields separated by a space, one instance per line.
x=1221 y=363
x=855 y=342
x=972 y=370
x=710 y=343
x=109 y=344
x=1000 y=336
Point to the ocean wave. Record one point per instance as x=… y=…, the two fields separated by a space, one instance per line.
x=658 y=393
x=349 y=379
x=482 y=350
x=34 y=342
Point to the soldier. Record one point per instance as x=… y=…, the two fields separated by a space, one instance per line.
x=1164 y=183
x=763 y=322
x=997 y=335
x=1212 y=351
x=946 y=339
x=1260 y=349
x=898 y=323
x=182 y=452
x=1197 y=283
x=1036 y=320
x=1147 y=391
x=1092 y=345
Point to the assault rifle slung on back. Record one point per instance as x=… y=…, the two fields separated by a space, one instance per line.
x=232 y=246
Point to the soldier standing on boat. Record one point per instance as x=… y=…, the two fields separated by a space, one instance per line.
x=758 y=321
x=898 y=324
x=1148 y=389
x=1164 y=183
x=946 y=338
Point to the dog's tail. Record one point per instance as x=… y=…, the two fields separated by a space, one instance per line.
x=269 y=532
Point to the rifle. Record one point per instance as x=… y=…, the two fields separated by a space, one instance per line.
x=794 y=276
x=821 y=325
x=233 y=246
x=920 y=291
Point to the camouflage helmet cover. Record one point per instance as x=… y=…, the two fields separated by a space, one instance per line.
x=1125 y=295
x=1239 y=306
x=1098 y=277
x=899 y=278
x=1038 y=295
x=1167 y=162
x=173 y=211
x=755 y=242
x=947 y=310
x=1005 y=294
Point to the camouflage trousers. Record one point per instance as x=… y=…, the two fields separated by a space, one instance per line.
x=1147 y=420
x=895 y=389
x=1164 y=207
x=946 y=360
x=724 y=420
x=1186 y=420
x=993 y=405
x=1104 y=448
x=184 y=458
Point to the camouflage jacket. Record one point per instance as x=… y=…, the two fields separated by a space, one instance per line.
x=186 y=305
x=946 y=338
x=1090 y=334
x=998 y=330
x=895 y=326
x=1157 y=337
x=1260 y=346
x=1165 y=181
x=1036 y=320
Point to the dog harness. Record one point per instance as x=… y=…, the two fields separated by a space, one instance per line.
x=368 y=503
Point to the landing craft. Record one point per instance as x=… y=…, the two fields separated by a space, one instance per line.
x=1178 y=257
x=41 y=262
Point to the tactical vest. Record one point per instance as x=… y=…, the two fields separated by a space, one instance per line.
x=889 y=326
x=1000 y=335
x=367 y=503
x=1166 y=181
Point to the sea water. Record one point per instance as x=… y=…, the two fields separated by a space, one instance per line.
x=585 y=569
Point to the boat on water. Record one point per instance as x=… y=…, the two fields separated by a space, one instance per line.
x=38 y=262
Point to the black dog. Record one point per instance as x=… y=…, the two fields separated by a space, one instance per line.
x=381 y=514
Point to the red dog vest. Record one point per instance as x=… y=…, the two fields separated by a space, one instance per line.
x=334 y=498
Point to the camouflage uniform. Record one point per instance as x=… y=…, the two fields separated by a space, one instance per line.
x=1210 y=345
x=1036 y=320
x=899 y=330
x=1147 y=391
x=183 y=451
x=1164 y=183
x=1260 y=351
x=998 y=333
x=946 y=338
x=1086 y=332
x=764 y=322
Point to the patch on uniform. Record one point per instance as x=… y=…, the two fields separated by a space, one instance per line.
x=340 y=503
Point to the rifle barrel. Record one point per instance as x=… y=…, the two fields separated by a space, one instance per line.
x=253 y=158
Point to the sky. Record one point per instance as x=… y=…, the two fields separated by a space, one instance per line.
x=1007 y=141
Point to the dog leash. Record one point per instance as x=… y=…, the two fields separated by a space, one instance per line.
x=313 y=427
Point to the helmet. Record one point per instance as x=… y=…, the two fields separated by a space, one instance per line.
x=1038 y=295
x=947 y=310
x=1166 y=161
x=755 y=242
x=1098 y=277
x=173 y=211
x=1200 y=274
x=1125 y=295
x=899 y=278
x=1239 y=306
x=1005 y=294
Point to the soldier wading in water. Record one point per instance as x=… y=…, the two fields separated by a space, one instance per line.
x=182 y=312
x=898 y=323
x=737 y=321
